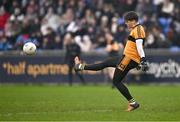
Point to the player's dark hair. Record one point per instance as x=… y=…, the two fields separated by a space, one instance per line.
x=131 y=15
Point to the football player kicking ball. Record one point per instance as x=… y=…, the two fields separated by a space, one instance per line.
x=133 y=57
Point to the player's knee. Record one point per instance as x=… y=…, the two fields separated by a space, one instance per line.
x=116 y=80
x=118 y=77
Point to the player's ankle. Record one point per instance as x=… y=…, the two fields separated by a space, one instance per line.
x=132 y=101
x=81 y=66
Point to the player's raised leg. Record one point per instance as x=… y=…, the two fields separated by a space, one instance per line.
x=110 y=62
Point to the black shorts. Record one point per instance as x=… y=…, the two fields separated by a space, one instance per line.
x=126 y=63
x=122 y=68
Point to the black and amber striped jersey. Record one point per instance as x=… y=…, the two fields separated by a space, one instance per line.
x=130 y=49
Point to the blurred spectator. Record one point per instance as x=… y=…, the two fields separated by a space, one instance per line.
x=112 y=47
x=160 y=40
x=48 y=41
x=58 y=43
x=4 y=16
x=145 y=7
x=167 y=8
x=100 y=43
x=52 y=19
x=4 y=44
x=17 y=15
x=72 y=50
x=121 y=34
x=84 y=43
x=68 y=16
x=31 y=10
x=60 y=7
x=114 y=25
x=150 y=40
x=44 y=27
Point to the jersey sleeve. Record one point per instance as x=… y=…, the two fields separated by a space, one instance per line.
x=138 y=33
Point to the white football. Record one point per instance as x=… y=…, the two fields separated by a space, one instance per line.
x=29 y=48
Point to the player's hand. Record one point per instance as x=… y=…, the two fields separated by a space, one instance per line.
x=143 y=65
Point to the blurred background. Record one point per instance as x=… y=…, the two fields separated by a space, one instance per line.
x=96 y=27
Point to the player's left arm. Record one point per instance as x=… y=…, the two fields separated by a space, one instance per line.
x=139 y=45
x=139 y=39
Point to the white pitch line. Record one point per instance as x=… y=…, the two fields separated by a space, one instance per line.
x=55 y=112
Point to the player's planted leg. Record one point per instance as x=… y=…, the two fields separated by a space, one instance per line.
x=119 y=74
x=117 y=80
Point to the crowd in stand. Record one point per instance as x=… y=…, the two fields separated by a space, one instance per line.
x=46 y=22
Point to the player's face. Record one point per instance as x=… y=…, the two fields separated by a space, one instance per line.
x=130 y=24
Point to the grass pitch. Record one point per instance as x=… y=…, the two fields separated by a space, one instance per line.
x=87 y=103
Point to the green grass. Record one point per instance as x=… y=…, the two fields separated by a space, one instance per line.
x=87 y=103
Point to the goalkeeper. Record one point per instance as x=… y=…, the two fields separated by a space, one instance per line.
x=133 y=57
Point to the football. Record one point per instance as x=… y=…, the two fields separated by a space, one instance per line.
x=29 y=48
